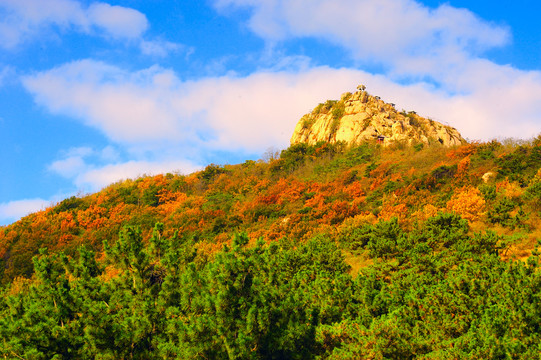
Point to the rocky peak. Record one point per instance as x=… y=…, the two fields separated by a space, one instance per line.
x=360 y=117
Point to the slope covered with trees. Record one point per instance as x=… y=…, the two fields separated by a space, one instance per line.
x=325 y=251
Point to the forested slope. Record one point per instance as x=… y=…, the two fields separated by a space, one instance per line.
x=326 y=251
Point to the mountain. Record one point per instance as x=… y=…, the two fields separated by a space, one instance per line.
x=361 y=117
x=331 y=251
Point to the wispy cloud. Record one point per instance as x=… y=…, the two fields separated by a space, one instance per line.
x=128 y=107
x=94 y=179
x=92 y=169
x=162 y=48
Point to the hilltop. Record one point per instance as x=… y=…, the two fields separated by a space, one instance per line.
x=361 y=117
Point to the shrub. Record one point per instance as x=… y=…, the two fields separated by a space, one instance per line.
x=500 y=212
x=308 y=121
x=338 y=110
x=210 y=172
x=467 y=203
x=72 y=203
x=486 y=151
x=533 y=194
x=520 y=165
x=384 y=239
x=488 y=191
x=335 y=124
x=418 y=147
x=444 y=172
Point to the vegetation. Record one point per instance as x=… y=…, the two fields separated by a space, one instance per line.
x=327 y=252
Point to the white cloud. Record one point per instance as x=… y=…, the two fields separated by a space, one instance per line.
x=128 y=107
x=161 y=48
x=68 y=167
x=397 y=33
x=91 y=170
x=118 y=21
x=262 y=109
x=153 y=105
x=14 y=210
x=109 y=153
x=24 y=19
x=96 y=178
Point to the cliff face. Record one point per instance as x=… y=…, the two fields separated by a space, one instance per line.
x=360 y=117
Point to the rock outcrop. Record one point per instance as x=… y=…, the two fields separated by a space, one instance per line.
x=359 y=117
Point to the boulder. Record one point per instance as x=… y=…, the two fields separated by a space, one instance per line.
x=361 y=117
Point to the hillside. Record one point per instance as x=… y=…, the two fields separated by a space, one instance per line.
x=331 y=250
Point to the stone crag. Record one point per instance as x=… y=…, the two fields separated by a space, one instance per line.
x=359 y=117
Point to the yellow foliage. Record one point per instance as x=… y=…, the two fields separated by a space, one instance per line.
x=411 y=172
x=509 y=189
x=118 y=214
x=18 y=285
x=468 y=203
x=426 y=212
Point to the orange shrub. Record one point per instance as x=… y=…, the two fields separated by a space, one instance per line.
x=119 y=214
x=462 y=151
x=354 y=190
x=463 y=167
x=67 y=222
x=467 y=202
x=92 y=218
x=389 y=211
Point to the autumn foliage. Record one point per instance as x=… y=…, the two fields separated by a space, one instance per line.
x=306 y=191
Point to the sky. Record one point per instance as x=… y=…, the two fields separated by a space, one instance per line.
x=94 y=92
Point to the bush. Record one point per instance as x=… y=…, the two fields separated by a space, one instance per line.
x=356 y=238
x=533 y=194
x=444 y=172
x=338 y=110
x=384 y=239
x=500 y=213
x=307 y=121
x=211 y=172
x=521 y=165
x=486 y=151
x=72 y=203
x=488 y=191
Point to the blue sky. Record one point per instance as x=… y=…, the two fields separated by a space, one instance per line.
x=94 y=92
